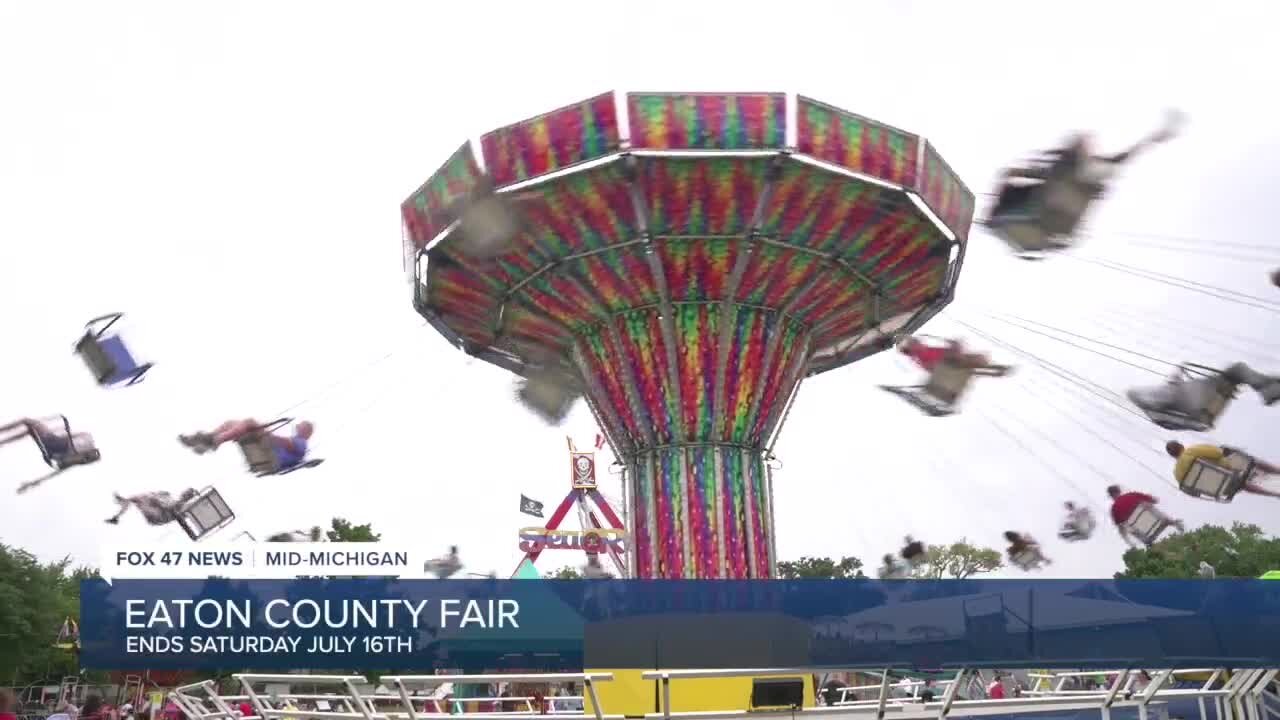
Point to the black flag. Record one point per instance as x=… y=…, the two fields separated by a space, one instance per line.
x=529 y=506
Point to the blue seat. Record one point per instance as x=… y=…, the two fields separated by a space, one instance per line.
x=107 y=356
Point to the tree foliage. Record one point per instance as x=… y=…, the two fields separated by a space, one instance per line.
x=822 y=568
x=959 y=560
x=1243 y=551
x=567 y=572
x=35 y=599
x=343 y=531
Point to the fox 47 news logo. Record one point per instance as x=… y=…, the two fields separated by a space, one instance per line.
x=180 y=558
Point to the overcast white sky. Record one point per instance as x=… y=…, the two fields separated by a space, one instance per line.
x=229 y=174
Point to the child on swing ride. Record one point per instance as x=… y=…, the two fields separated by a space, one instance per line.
x=1078 y=525
x=1024 y=551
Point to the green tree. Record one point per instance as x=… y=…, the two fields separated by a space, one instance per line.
x=567 y=572
x=821 y=567
x=343 y=531
x=35 y=599
x=959 y=560
x=1242 y=551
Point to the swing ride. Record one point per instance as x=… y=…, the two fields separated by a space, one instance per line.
x=683 y=262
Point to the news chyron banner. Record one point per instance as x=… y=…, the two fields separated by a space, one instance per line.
x=363 y=607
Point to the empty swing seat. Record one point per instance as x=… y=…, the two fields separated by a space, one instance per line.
x=1212 y=481
x=488 y=223
x=260 y=453
x=549 y=394
x=1146 y=525
x=941 y=394
x=205 y=514
x=107 y=356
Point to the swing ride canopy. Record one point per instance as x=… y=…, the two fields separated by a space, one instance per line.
x=688 y=259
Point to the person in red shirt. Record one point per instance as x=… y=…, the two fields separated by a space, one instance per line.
x=931 y=356
x=7 y=705
x=1125 y=504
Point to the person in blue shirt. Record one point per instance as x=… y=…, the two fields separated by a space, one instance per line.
x=290 y=450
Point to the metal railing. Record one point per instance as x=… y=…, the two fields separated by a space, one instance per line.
x=395 y=697
x=1250 y=694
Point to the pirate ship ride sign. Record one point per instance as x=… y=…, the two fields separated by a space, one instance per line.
x=536 y=539
x=596 y=537
x=584 y=470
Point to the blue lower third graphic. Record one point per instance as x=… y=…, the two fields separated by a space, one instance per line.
x=488 y=625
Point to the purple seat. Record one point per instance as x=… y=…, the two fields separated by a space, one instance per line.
x=107 y=356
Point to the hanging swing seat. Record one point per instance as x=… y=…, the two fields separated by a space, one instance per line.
x=895 y=571
x=548 y=393
x=60 y=448
x=487 y=222
x=1046 y=218
x=1077 y=530
x=106 y=354
x=1212 y=481
x=1211 y=391
x=260 y=452
x=1146 y=525
x=913 y=553
x=444 y=567
x=1028 y=558
x=204 y=514
x=939 y=396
